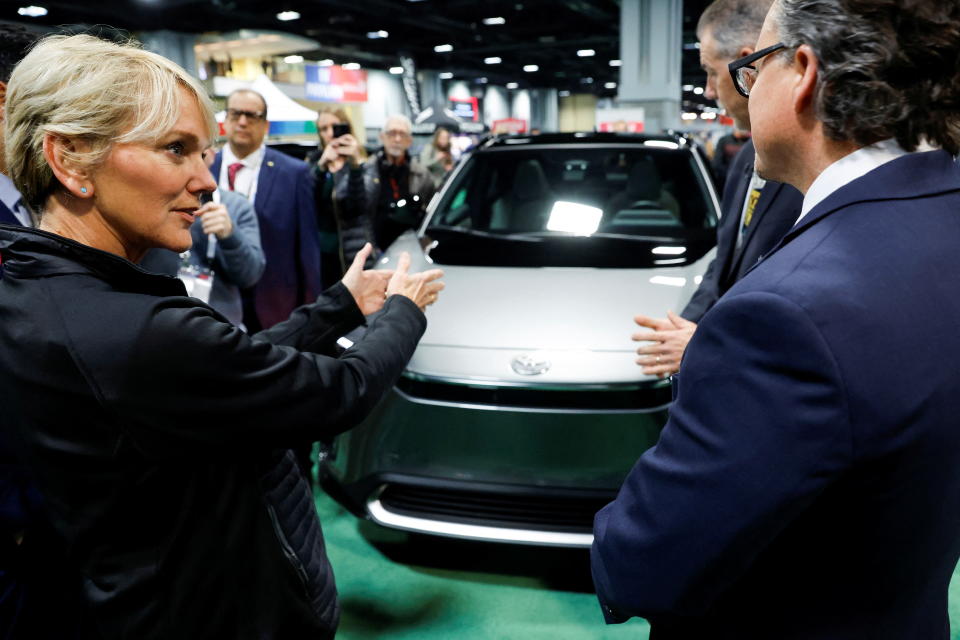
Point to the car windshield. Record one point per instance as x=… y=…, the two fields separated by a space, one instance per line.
x=575 y=205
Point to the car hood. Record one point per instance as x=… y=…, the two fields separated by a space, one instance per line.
x=578 y=319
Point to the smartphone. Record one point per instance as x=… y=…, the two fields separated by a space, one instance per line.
x=340 y=130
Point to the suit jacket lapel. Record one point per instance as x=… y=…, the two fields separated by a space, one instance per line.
x=7 y=217
x=215 y=167
x=767 y=195
x=265 y=181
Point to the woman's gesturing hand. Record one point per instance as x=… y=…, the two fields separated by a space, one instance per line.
x=423 y=288
x=368 y=287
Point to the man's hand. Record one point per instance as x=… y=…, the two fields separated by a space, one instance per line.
x=368 y=287
x=668 y=338
x=423 y=288
x=216 y=220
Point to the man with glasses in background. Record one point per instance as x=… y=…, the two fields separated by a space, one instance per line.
x=281 y=190
x=807 y=483
x=397 y=187
x=755 y=212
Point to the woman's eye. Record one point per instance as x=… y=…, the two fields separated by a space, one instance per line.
x=176 y=148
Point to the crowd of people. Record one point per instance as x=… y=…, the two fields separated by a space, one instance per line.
x=805 y=485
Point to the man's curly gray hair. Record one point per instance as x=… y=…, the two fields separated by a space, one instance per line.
x=887 y=68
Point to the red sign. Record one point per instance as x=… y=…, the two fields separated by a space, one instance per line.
x=335 y=84
x=466 y=108
x=509 y=125
x=621 y=126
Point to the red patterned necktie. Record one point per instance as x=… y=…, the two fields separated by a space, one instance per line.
x=232 y=173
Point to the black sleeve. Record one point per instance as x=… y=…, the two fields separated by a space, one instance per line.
x=193 y=384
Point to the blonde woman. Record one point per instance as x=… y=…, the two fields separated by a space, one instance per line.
x=157 y=431
x=337 y=165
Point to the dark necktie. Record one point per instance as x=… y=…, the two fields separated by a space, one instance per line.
x=232 y=171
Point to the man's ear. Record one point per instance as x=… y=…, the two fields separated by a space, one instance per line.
x=806 y=66
x=744 y=52
x=60 y=154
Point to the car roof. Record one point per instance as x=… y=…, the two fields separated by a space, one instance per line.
x=581 y=137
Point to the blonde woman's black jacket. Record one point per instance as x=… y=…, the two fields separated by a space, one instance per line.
x=157 y=433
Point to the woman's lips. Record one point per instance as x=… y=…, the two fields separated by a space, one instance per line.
x=188 y=214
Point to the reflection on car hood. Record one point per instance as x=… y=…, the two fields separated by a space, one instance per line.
x=563 y=313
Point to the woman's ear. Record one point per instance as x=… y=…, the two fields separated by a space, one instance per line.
x=60 y=153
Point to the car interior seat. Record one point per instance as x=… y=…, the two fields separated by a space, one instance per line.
x=643 y=191
x=526 y=206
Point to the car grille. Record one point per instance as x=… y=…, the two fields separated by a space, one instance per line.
x=538 y=511
x=622 y=398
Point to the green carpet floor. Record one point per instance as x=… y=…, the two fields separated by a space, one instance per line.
x=403 y=587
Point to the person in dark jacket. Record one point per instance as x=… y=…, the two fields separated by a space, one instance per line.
x=397 y=190
x=158 y=433
x=337 y=166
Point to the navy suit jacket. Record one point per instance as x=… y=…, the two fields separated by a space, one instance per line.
x=776 y=211
x=7 y=217
x=289 y=238
x=807 y=483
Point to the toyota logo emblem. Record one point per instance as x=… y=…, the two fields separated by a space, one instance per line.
x=529 y=365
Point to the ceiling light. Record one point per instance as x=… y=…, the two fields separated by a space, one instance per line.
x=708 y=116
x=326 y=63
x=396 y=70
x=373 y=35
x=445 y=75
x=492 y=60
x=286 y=16
x=564 y=94
x=688 y=116
x=293 y=59
x=586 y=53
x=491 y=21
x=610 y=85
x=443 y=48
x=698 y=90
x=586 y=80
x=32 y=11
x=616 y=63
x=530 y=68
x=688 y=87
x=351 y=66
x=482 y=80
x=513 y=85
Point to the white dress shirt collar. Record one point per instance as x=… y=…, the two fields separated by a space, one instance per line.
x=850 y=167
x=246 y=180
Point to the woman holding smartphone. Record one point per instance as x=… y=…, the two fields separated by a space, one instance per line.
x=338 y=167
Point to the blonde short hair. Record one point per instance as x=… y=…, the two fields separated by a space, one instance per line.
x=84 y=88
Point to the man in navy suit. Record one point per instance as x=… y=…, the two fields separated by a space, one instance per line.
x=755 y=213
x=281 y=189
x=807 y=483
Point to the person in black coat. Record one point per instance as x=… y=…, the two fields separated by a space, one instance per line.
x=159 y=434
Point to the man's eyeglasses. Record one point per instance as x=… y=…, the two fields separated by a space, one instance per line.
x=744 y=73
x=252 y=116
